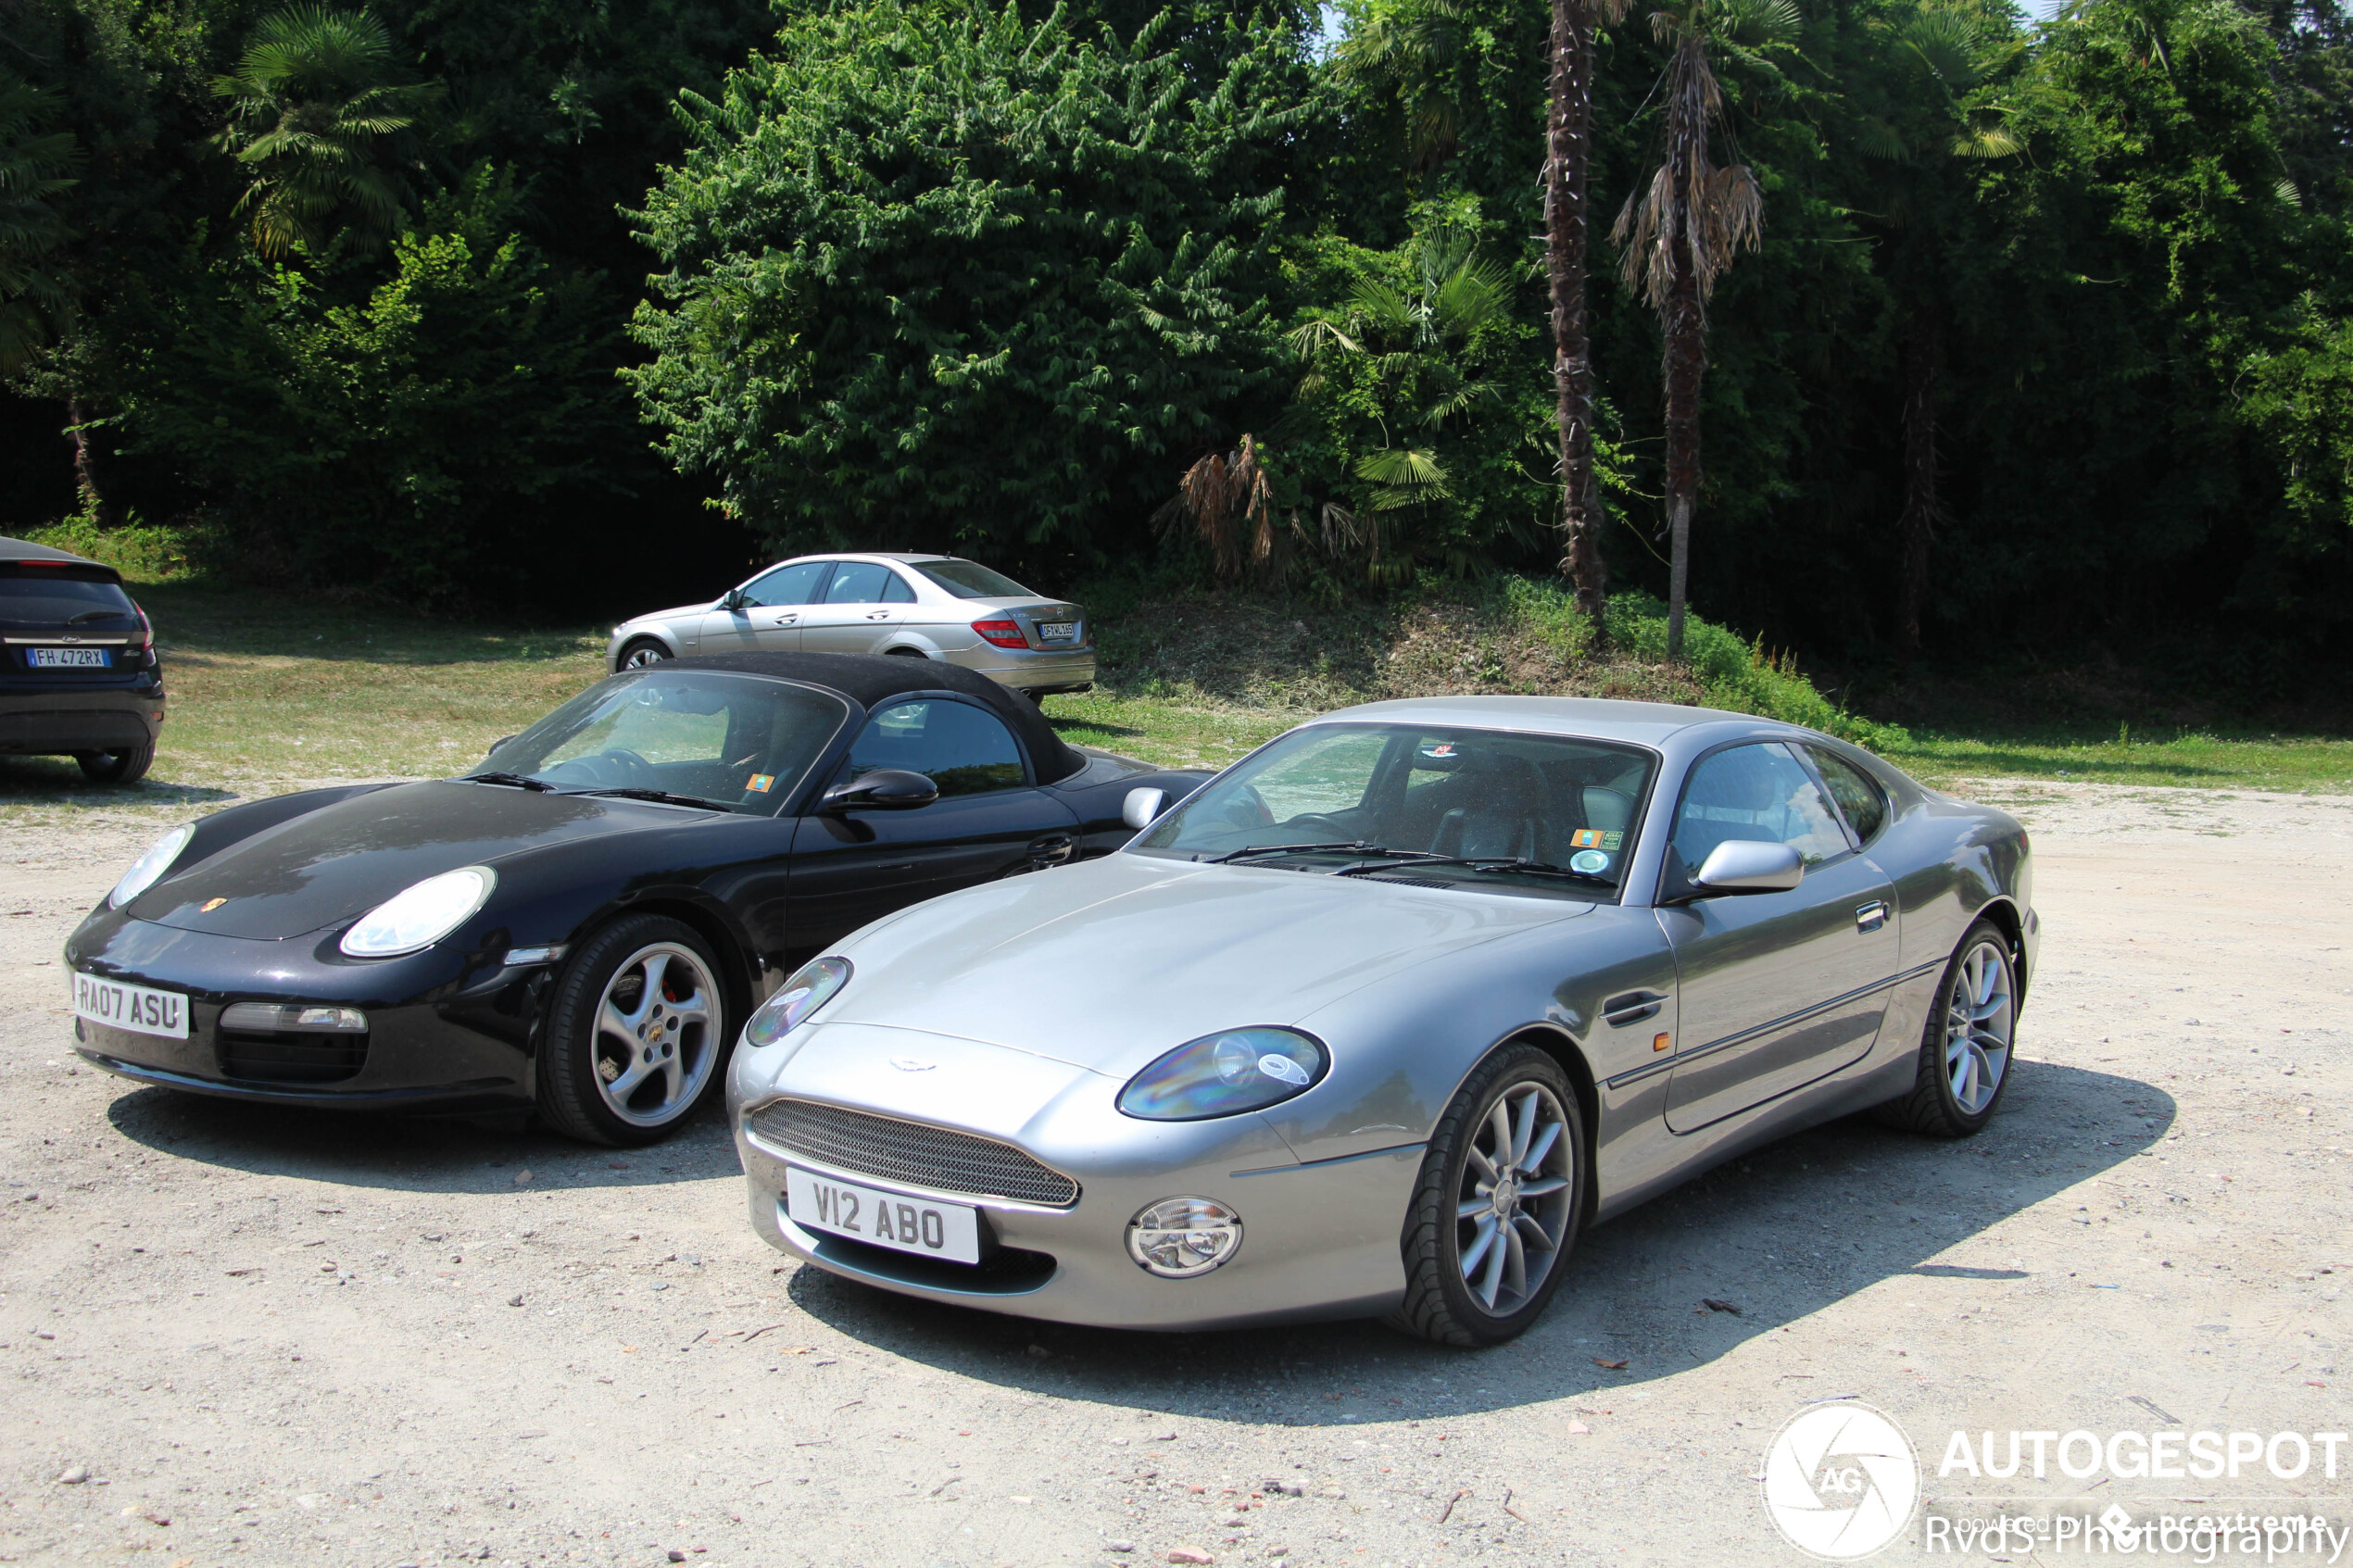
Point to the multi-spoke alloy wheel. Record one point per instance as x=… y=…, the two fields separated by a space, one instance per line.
x=1965 y=1051
x=1498 y=1203
x=636 y=1033
x=1977 y=1027
x=640 y=654
x=654 y=1034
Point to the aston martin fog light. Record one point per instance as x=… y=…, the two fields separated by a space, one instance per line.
x=422 y=915
x=1179 y=1237
x=1225 y=1075
x=148 y=869
x=810 y=987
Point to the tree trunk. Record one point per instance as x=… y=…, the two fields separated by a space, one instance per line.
x=1569 y=147
x=1685 y=324
x=87 y=482
x=1922 y=510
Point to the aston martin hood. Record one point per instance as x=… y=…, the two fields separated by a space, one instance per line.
x=1106 y=965
x=344 y=860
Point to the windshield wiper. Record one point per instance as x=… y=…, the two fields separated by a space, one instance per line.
x=1356 y=848
x=1482 y=864
x=660 y=797
x=537 y=786
x=96 y=615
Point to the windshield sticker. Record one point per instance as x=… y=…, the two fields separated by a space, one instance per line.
x=1443 y=749
x=1589 y=861
x=1586 y=838
x=761 y=784
x=1612 y=840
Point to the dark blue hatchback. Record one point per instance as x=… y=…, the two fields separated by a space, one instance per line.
x=79 y=672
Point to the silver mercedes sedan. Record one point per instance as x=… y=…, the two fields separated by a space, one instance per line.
x=1377 y=1020
x=927 y=606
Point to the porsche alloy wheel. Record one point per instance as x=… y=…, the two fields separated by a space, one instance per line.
x=1498 y=1203
x=1966 y=1048
x=636 y=1033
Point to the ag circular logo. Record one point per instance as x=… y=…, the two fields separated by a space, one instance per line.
x=1840 y=1481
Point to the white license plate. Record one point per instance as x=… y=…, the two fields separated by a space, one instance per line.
x=1057 y=631
x=886 y=1218
x=67 y=659
x=118 y=1006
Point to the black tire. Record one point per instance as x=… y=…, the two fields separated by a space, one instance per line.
x=1933 y=1105
x=571 y=1077
x=125 y=766
x=639 y=652
x=1440 y=1303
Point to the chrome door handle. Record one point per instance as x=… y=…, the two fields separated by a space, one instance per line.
x=878 y=615
x=1870 y=916
x=783 y=620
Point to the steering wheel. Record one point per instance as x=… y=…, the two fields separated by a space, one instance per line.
x=1318 y=820
x=1248 y=809
x=633 y=767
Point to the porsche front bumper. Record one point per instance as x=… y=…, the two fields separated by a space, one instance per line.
x=1319 y=1240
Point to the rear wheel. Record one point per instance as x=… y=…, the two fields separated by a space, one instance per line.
x=1497 y=1206
x=126 y=766
x=1965 y=1050
x=643 y=652
x=638 y=1032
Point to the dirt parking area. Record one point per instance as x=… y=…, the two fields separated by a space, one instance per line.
x=234 y=1334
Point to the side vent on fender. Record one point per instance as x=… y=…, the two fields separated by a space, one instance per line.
x=1631 y=1007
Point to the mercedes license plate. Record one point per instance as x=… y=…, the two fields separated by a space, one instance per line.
x=118 y=1006
x=886 y=1219
x=67 y=659
x=1057 y=631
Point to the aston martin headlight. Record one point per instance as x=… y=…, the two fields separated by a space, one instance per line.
x=1225 y=1075
x=810 y=987
x=148 y=869
x=420 y=916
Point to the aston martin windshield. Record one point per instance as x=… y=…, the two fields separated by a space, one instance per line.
x=1472 y=807
x=740 y=743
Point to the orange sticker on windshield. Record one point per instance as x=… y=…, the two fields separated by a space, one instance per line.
x=761 y=784
x=1586 y=838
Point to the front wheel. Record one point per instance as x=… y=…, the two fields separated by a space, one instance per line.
x=128 y=765
x=643 y=653
x=636 y=1033
x=1497 y=1206
x=1965 y=1050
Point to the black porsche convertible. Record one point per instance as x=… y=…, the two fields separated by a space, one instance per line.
x=582 y=923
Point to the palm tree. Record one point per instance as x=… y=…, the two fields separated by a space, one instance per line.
x=1933 y=67
x=33 y=166
x=1568 y=159
x=313 y=103
x=1680 y=231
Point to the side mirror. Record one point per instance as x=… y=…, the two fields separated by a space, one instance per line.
x=1143 y=807
x=1744 y=866
x=732 y=599
x=884 y=789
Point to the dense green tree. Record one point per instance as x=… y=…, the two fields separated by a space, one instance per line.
x=939 y=277
x=34 y=165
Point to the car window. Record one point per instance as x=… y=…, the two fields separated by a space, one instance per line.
x=735 y=741
x=34 y=595
x=789 y=584
x=898 y=591
x=1761 y=794
x=1426 y=795
x=970 y=580
x=958 y=747
x=857 y=582
x=1857 y=793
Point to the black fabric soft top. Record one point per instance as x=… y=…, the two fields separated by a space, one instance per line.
x=871 y=680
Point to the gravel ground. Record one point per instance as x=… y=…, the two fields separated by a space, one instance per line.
x=243 y=1335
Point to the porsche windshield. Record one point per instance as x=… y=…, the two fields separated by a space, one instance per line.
x=1472 y=807
x=740 y=743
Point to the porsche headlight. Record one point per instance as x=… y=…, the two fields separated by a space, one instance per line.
x=420 y=916
x=810 y=987
x=1225 y=1075
x=148 y=869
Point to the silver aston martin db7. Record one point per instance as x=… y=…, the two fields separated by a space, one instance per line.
x=1377 y=1019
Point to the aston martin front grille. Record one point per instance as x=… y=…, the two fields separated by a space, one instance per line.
x=909 y=1151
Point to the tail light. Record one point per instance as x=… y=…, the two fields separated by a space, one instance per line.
x=1003 y=633
x=146 y=637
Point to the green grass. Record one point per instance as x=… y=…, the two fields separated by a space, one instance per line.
x=275 y=692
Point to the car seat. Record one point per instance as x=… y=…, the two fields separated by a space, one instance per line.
x=1502 y=815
